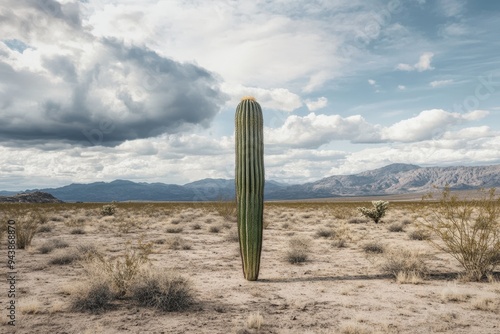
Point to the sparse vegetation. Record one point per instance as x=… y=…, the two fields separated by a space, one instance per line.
x=108 y=210
x=404 y=264
x=374 y=247
x=50 y=245
x=325 y=233
x=94 y=297
x=376 y=213
x=469 y=230
x=298 y=251
x=163 y=291
x=26 y=227
x=419 y=234
x=396 y=227
x=174 y=229
x=64 y=258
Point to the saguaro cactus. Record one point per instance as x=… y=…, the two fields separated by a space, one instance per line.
x=250 y=184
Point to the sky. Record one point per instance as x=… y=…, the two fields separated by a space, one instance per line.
x=98 y=90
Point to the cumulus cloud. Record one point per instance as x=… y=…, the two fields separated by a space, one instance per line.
x=423 y=64
x=276 y=98
x=313 y=131
x=401 y=87
x=320 y=103
x=98 y=92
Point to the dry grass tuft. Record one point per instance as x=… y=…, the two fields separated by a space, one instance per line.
x=255 y=321
x=298 y=251
x=374 y=247
x=168 y=293
x=399 y=262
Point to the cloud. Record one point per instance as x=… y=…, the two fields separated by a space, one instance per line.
x=102 y=92
x=401 y=87
x=277 y=98
x=427 y=125
x=372 y=82
x=451 y=8
x=320 y=103
x=423 y=64
x=313 y=131
x=440 y=83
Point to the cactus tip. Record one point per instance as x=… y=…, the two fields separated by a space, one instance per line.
x=248 y=98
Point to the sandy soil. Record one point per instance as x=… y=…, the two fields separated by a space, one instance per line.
x=337 y=290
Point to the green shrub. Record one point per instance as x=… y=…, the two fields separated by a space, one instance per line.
x=377 y=212
x=468 y=230
x=108 y=210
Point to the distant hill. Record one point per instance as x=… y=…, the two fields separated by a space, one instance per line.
x=34 y=197
x=389 y=180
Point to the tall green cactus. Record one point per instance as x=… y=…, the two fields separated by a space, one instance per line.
x=250 y=184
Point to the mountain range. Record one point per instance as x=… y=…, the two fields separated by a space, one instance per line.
x=389 y=180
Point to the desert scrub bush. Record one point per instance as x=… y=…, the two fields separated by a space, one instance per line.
x=163 y=291
x=374 y=247
x=396 y=227
x=77 y=230
x=26 y=227
x=214 y=229
x=122 y=270
x=44 y=229
x=178 y=243
x=468 y=230
x=377 y=212
x=196 y=226
x=50 y=245
x=419 y=234
x=94 y=297
x=324 y=233
x=357 y=220
x=65 y=257
x=108 y=210
x=255 y=321
x=298 y=250
x=404 y=263
x=174 y=229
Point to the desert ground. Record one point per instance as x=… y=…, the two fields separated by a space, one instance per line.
x=342 y=286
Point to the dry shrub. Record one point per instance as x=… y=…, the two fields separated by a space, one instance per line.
x=120 y=271
x=452 y=294
x=353 y=328
x=178 y=243
x=469 y=230
x=50 y=245
x=26 y=227
x=396 y=227
x=325 y=233
x=298 y=251
x=255 y=321
x=404 y=263
x=374 y=247
x=485 y=304
x=419 y=234
x=65 y=257
x=174 y=229
x=357 y=221
x=94 y=297
x=163 y=291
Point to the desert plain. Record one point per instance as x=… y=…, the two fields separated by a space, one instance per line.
x=323 y=270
